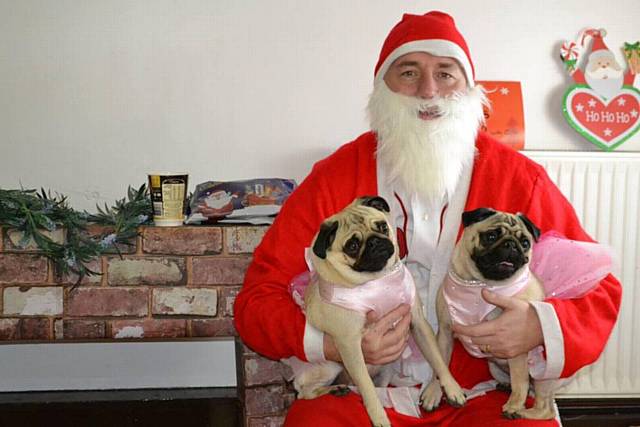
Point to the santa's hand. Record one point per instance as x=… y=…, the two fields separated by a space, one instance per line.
x=384 y=339
x=516 y=331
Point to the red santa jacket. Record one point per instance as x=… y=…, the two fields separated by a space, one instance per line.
x=269 y=321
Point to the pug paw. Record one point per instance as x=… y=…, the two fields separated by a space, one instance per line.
x=511 y=415
x=543 y=413
x=376 y=411
x=457 y=403
x=380 y=421
x=505 y=387
x=511 y=410
x=455 y=395
x=340 y=390
x=431 y=396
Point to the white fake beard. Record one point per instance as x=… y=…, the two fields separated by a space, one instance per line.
x=425 y=157
x=606 y=82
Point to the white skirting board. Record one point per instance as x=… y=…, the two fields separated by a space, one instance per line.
x=126 y=365
x=604 y=189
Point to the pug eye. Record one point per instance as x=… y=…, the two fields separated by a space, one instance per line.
x=383 y=228
x=526 y=244
x=490 y=237
x=352 y=247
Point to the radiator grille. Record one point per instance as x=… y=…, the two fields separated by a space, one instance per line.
x=604 y=189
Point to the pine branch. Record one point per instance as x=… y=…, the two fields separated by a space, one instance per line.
x=34 y=213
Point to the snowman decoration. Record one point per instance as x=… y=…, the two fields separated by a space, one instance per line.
x=602 y=105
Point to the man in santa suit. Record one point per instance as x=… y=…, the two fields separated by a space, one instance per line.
x=426 y=157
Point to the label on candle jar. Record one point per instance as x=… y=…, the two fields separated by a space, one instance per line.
x=168 y=197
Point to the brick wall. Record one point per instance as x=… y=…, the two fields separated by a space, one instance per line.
x=172 y=283
x=263 y=390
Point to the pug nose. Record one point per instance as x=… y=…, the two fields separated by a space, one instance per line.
x=377 y=244
x=509 y=244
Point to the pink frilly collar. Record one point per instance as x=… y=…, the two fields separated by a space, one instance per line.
x=380 y=295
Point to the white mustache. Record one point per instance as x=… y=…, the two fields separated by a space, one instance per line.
x=446 y=106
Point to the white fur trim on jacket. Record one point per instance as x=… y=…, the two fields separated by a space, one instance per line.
x=551 y=367
x=313 y=344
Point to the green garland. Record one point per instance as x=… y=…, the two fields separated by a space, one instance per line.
x=33 y=213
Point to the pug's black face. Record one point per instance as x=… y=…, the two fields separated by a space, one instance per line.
x=501 y=253
x=371 y=252
x=500 y=242
x=359 y=237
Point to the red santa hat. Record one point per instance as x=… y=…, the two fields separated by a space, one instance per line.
x=434 y=33
x=599 y=49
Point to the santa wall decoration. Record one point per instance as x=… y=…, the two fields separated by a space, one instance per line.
x=602 y=105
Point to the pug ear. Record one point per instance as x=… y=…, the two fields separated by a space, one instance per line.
x=375 y=202
x=533 y=229
x=477 y=215
x=325 y=238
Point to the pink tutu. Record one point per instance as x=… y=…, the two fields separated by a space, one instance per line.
x=298 y=286
x=569 y=268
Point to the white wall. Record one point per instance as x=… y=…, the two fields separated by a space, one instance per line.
x=126 y=365
x=94 y=93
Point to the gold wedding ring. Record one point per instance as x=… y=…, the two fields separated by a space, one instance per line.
x=486 y=348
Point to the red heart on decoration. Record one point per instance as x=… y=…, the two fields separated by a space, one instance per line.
x=606 y=123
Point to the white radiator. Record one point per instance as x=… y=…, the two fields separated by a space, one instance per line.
x=604 y=189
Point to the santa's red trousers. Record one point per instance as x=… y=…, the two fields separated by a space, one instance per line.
x=348 y=411
x=482 y=411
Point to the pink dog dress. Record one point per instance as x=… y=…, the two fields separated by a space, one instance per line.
x=466 y=305
x=380 y=295
x=567 y=269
